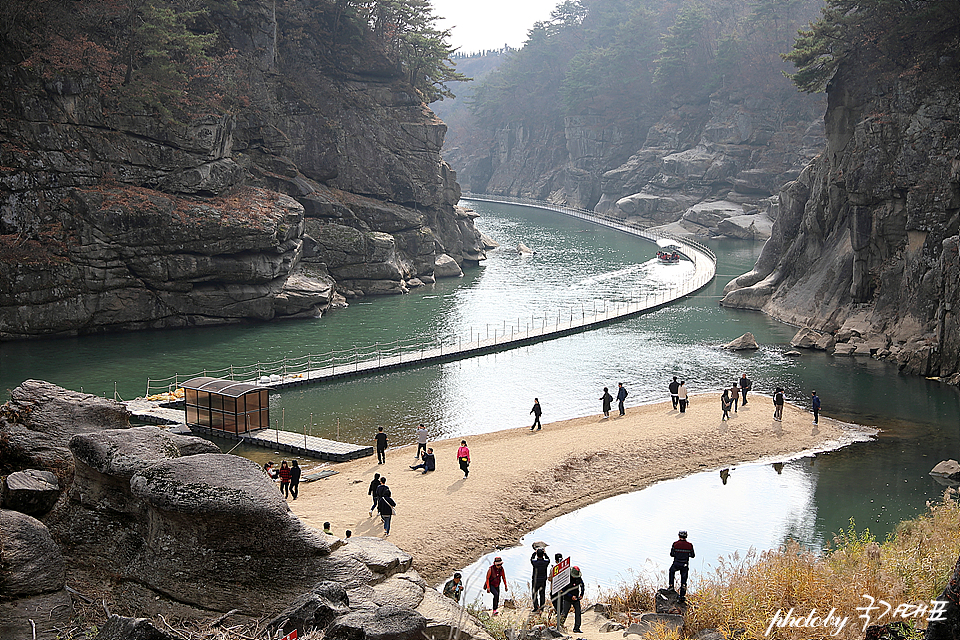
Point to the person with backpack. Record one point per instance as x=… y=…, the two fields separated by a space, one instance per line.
x=571 y=596
x=681 y=551
x=496 y=575
x=621 y=396
x=386 y=505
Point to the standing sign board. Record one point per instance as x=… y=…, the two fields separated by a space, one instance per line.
x=560 y=576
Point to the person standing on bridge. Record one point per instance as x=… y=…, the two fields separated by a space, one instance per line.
x=381 y=439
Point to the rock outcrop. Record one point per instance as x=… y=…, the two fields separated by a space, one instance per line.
x=865 y=247
x=122 y=221
x=32 y=491
x=36 y=425
x=746 y=342
x=32 y=580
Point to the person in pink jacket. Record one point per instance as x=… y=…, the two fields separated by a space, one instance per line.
x=463 y=457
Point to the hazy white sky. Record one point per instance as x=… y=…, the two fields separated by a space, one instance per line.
x=490 y=24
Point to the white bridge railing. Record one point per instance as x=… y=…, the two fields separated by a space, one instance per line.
x=477 y=340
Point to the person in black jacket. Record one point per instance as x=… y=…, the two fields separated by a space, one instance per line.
x=372 y=491
x=541 y=562
x=295 y=479
x=381 y=439
x=745 y=386
x=674 y=387
x=385 y=505
x=571 y=596
x=429 y=461
x=537 y=412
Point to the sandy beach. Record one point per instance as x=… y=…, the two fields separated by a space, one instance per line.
x=520 y=479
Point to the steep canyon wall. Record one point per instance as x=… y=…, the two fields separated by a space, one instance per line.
x=326 y=184
x=865 y=246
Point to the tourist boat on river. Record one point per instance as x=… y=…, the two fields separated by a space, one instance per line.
x=669 y=252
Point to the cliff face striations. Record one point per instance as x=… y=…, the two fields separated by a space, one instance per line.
x=865 y=246
x=322 y=181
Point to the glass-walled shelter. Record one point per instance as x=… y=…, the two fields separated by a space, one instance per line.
x=225 y=405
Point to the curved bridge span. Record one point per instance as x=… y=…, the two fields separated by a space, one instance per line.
x=382 y=357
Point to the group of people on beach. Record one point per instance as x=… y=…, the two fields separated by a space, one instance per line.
x=566 y=586
x=383 y=501
x=287 y=475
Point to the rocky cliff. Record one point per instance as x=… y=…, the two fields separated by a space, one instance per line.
x=161 y=524
x=735 y=148
x=865 y=247
x=325 y=182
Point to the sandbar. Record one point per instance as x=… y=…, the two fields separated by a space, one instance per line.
x=520 y=479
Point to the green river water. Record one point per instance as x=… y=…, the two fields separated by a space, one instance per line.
x=578 y=266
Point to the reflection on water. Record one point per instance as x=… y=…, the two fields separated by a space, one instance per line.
x=577 y=265
x=629 y=536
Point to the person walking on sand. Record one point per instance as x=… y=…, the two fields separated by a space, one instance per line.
x=725 y=404
x=295 y=479
x=735 y=395
x=570 y=596
x=381 y=439
x=372 y=491
x=386 y=506
x=621 y=396
x=463 y=457
x=607 y=400
x=496 y=575
x=537 y=412
x=778 y=404
x=541 y=564
x=815 y=401
x=284 y=474
x=745 y=386
x=682 y=396
x=681 y=551
x=674 y=387
x=421 y=441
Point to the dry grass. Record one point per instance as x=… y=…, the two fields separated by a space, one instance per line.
x=743 y=594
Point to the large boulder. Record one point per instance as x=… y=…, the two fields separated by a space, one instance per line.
x=32 y=579
x=743 y=343
x=37 y=423
x=806 y=338
x=32 y=491
x=388 y=622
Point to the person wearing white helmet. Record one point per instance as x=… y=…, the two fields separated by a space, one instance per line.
x=681 y=552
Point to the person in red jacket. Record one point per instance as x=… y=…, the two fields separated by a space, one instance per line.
x=495 y=576
x=681 y=552
x=284 y=474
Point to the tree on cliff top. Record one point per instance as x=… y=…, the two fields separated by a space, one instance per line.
x=894 y=33
x=150 y=56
